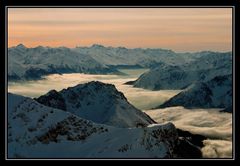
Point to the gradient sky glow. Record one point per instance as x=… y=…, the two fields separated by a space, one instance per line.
x=179 y=29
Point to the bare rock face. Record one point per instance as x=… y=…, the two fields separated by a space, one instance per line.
x=53 y=99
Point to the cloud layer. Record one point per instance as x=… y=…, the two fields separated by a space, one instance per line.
x=136 y=96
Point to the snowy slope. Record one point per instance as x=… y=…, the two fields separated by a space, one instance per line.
x=32 y=63
x=216 y=93
x=204 y=67
x=164 y=77
x=98 y=102
x=37 y=131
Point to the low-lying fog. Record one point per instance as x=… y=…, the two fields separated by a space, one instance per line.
x=135 y=96
x=208 y=122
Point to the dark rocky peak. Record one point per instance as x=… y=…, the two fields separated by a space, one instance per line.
x=52 y=93
x=98 y=102
x=95 y=87
x=88 y=90
x=52 y=99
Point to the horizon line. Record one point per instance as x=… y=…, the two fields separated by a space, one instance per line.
x=105 y=46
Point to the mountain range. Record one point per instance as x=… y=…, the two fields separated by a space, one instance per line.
x=33 y=63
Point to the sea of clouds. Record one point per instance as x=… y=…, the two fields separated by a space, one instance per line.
x=140 y=98
x=215 y=125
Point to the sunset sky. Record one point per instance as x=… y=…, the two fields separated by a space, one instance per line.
x=179 y=29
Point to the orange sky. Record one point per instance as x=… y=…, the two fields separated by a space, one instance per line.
x=179 y=29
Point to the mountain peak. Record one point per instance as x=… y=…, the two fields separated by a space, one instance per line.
x=95 y=85
x=98 y=84
x=39 y=47
x=96 y=88
x=97 y=46
x=21 y=46
x=98 y=102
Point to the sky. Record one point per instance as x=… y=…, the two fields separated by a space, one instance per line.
x=178 y=29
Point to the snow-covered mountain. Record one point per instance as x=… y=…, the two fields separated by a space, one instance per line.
x=164 y=77
x=204 y=67
x=216 y=93
x=98 y=102
x=138 y=57
x=32 y=63
x=38 y=131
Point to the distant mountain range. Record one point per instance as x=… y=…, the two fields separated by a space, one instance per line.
x=94 y=120
x=33 y=63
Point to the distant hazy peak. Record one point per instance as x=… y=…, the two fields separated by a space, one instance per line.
x=21 y=46
x=97 y=46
